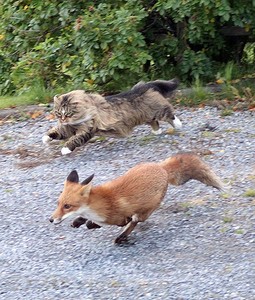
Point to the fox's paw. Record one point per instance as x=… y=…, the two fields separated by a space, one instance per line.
x=78 y=222
x=92 y=225
x=65 y=151
x=124 y=241
x=46 y=139
x=121 y=239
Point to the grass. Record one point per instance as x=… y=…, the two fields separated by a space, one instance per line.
x=227 y=219
x=208 y=134
x=226 y=112
x=194 y=202
x=225 y=195
x=234 y=130
x=196 y=96
x=13 y=101
x=239 y=231
x=146 y=140
x=37 y=94
x=249 y=193
x=237 y=93
x=199 y=94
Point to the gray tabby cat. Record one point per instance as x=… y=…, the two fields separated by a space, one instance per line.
x=82 y=115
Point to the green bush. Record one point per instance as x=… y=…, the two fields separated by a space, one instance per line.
x=110 y=45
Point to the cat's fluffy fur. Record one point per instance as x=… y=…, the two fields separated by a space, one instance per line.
x=82 y=115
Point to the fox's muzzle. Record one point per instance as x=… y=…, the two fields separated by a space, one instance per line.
x=55 y=221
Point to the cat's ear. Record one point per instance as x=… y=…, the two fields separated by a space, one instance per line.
x=87 y=181
x=55 y=98
x=73 y=177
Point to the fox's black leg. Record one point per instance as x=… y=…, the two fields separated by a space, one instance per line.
x=78 y=222
x=92 y=225
x=127 y=230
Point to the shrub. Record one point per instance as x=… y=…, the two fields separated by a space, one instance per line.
x=110 y=45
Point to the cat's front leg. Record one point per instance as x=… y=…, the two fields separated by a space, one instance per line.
x=58 y=133
x=52 y=134
x=77 y=141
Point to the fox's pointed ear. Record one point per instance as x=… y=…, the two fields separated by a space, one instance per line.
x=85 y=190
x=73 y=177
x=86 y=181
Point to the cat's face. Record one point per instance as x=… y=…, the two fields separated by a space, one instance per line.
x=69 y=110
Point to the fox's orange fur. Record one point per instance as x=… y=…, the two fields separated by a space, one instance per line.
x=132 y=197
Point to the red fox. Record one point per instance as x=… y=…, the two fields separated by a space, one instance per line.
x=130 y=198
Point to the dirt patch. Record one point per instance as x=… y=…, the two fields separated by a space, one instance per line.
x=29 y=158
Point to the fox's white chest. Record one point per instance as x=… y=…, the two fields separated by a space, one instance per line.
x=90 y=214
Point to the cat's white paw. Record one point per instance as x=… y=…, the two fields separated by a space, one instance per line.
x=157 y=132
x=65 y=151
x=177 y=123
x=46 y=139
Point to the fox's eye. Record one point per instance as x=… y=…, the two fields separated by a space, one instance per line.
x=67 y=206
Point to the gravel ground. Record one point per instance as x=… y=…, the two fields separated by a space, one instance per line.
x=198 y=245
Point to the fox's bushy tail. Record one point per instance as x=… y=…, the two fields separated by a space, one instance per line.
x=183 y=167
